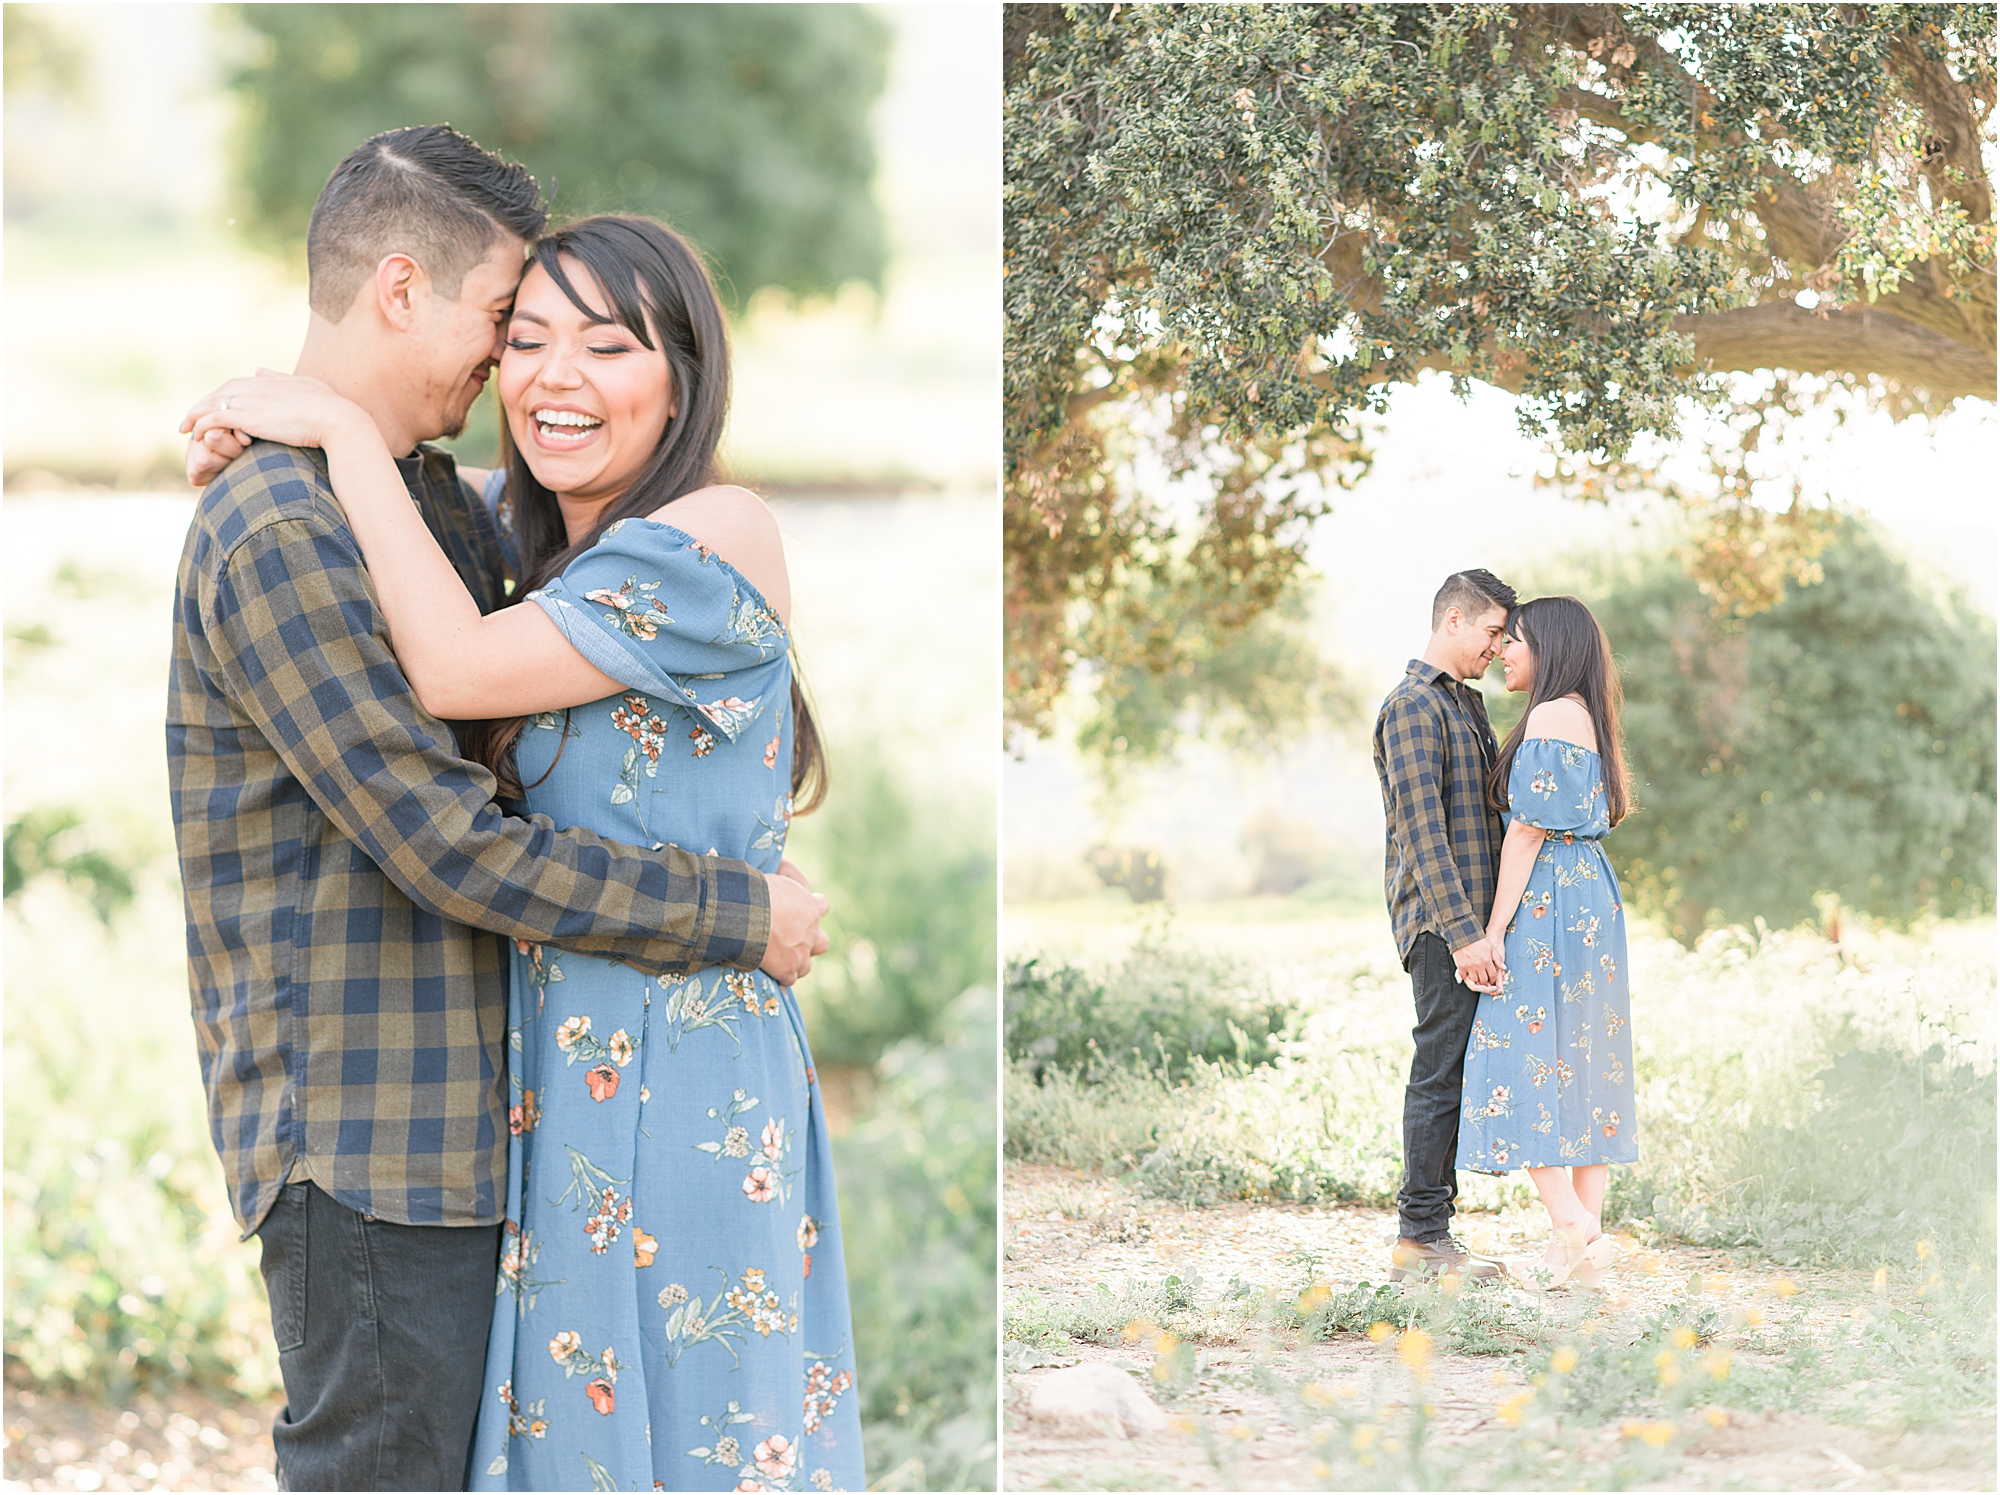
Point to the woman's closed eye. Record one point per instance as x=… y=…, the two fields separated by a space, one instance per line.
x=523 y=344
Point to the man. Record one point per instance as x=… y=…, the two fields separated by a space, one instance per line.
x=349 y=883
x=1433 y=750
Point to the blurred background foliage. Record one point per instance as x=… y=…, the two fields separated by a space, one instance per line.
x=836 y=164
x=1831 y=755
x=1834 y=751
x=746 y=128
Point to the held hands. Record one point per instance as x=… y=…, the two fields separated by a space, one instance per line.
x=1481 y=964
x=795 y=933
x=286 y=408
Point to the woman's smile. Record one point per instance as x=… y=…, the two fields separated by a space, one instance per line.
x=586 y=400
x=563 y=428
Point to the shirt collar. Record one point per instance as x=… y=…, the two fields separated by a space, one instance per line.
x=1437 y=674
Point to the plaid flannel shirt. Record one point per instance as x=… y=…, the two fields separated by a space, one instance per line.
x=1433 y=750
x=348 y=880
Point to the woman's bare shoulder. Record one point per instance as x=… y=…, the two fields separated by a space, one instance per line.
x=1566 y=719
x=739 y=526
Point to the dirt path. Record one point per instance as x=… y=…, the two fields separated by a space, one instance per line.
x=57 y=1441
x=1075 y=1241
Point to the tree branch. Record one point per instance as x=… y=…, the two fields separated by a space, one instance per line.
x=1858 y=340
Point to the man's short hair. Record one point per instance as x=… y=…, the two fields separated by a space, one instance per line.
x=1472 y=593
x=428 y=192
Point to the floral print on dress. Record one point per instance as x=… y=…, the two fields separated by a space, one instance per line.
x=635 y=610
x=1560 y=1038
x=712 y=1273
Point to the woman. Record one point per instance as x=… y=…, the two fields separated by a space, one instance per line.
x=672 y=1307
x=1548 y=1071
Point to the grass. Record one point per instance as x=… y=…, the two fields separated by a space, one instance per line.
x=1831 y=1130
x=1828 y=1109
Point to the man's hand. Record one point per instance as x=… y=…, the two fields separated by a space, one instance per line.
x=1476 y=965
x=795 y=933
x=212 y=451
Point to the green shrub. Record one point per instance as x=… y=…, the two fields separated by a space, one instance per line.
x=1162 y=1009
x=919 y=1214
x=123 y=1267
x=912 y=883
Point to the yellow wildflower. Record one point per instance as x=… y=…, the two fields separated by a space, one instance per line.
x=1512 y=1410
x=1364 y=1438
x=1379 y=1331
x=1138 y=1329
x=1881 y=1278
x=1313 y=1298
x=1924 y=1249
x=1413 y=1348
x=1242 y=1431
x=1716 y=1363
x=1652 y=1434
x=1717 y=1418
x=1563 y=1361
x=1683 y=1338
x=1164 y=1343
x=1784 y=1287
x=1667 y=1363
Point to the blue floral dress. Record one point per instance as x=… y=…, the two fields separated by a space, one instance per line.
x=1548 y=1070
x=672 y=1306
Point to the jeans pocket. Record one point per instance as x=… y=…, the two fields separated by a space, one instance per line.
x=283 y=1239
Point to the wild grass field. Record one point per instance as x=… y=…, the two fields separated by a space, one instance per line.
x=1203 y=1142
x=138 y=1348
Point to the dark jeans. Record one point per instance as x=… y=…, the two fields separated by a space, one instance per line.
x=382 y=1341
x=1445 y=1011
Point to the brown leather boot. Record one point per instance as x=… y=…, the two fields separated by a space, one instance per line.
x=1425 y=1259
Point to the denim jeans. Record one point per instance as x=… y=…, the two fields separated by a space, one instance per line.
x=381 y=1333
x=1445 y=1010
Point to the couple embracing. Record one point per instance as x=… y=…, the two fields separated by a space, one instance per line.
x=481 y=786
x=1513 y=934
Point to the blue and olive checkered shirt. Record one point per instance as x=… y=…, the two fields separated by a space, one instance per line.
x=349 y=881
x=1433 y=749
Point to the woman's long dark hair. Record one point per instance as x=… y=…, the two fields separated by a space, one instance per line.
x=658 y=288
x=1572 y=657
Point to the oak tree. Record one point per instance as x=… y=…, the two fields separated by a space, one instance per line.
x=1231 y=231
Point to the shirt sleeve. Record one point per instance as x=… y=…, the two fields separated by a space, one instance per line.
x=657 y=611
x=302 y=650
x=1413 y=756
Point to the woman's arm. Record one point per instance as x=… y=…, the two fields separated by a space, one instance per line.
x=1523 y=843
x=461 y=664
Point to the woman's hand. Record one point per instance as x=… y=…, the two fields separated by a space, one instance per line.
x=286 y=408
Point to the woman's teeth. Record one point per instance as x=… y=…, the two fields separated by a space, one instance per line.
x=565 y=425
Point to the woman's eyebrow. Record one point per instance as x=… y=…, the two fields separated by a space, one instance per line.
x=528 y=316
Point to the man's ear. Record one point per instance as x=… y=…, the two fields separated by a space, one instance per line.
x=400 y=284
